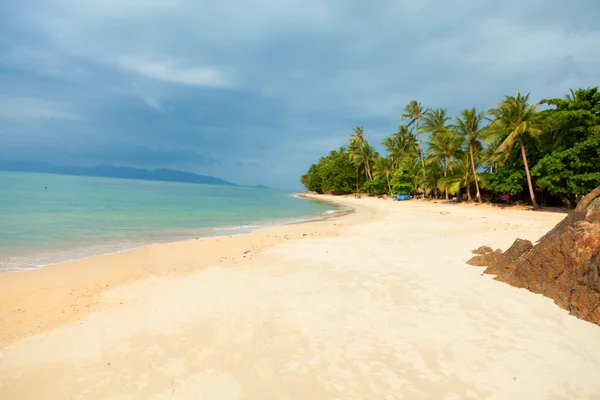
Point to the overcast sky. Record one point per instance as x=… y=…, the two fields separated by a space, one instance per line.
x=255 y=91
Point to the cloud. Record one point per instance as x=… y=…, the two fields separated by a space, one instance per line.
x=151 y=101
x=172 y=71
x=271 y=85
x=18 y=107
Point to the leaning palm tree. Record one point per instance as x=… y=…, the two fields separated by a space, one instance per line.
x=383 y=169
x=367 y=157
x=512 y=121
x=413 y=112
x=470 y=126
x=442 y=147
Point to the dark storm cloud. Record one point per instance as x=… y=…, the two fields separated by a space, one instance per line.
x=255 y=91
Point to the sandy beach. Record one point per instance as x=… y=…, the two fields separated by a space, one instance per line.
x=377 y=304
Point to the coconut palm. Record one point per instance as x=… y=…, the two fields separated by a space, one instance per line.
x=400 y=145
x=413 y=112
x=470 y=126
x=383 y=169
x=442 y=146
x=461 y=176
x=512 y=121
x=367 y=158
x=361 y=151
x=435 y=121
x=431 y=178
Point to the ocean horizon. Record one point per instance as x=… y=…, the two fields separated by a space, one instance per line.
x=48 y=218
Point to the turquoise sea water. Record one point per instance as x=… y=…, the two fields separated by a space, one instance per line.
x=47 y=218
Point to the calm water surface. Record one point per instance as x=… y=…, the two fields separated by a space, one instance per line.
x=47 y=218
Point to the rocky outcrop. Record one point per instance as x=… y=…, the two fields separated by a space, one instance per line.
x=485 y=256
x=565 y=263
x=504 y=262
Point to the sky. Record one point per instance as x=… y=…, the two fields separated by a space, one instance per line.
x=256 y=91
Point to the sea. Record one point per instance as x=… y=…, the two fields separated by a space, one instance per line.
x=47 y=218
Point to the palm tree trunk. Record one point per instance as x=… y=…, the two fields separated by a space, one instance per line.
x=356 y=179
x=420 y=148
x=469 y=198
x=535 y=204
x=474 y=171
x=388 y=182
x=445 y=174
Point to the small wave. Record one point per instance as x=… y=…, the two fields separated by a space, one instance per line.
x=237 y=228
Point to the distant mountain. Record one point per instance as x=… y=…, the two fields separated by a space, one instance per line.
x=110 y=171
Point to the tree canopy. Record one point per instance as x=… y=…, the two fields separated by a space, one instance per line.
x=518 y=150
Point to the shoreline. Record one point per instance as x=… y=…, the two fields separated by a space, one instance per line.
x=378 y=302
x=66 y=285
x=205 y=233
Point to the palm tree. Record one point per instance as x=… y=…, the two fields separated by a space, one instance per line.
x=362 y=151
x=431 y=178
x=460 y=177
x=512 y=121
x=435 y=121
x=367 y=157
x=442 y=146
x=413 y=112
x=469 y=125
x=400 y=145
x=352 y=153
x=383 y=169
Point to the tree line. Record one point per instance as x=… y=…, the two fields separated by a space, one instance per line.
x=541 y=153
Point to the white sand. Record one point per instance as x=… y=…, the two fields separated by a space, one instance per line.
x=377 y=305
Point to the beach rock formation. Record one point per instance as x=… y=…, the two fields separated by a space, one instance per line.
x=485 y=256
x=504 y=261
x=483 y=250
x=565 y=263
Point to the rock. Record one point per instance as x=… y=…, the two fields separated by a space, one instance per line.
x=484 y=260
x=504 y=260
x=482 y=250
x=565 y=263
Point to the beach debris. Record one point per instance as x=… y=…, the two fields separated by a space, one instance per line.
x=564 y=264
x=444 y=212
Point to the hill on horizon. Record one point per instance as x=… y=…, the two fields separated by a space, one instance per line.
x=111 y=171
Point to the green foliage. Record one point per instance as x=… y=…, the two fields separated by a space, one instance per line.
x=375 y=187
x=333 y=173
x=408 y=176
x=508 y=179
x=572 y=171
x=558 y=147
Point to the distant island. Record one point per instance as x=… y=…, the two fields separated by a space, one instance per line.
x=111 y=171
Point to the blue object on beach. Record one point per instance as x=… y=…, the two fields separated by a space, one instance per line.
x=402 y=197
